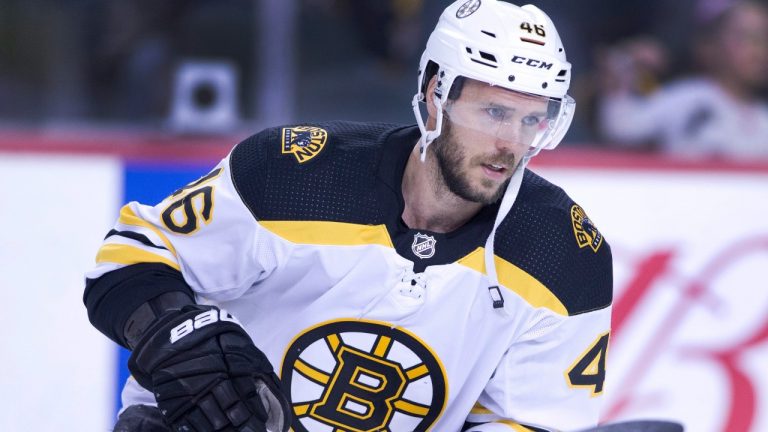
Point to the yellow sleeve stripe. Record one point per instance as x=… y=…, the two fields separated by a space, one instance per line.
x=329 y=233
x=479 y=409
x=124 y=254
x=128 y=217
x=517 y=427
x=517 y=280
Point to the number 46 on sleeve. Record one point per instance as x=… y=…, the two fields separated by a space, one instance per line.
x=589 y=369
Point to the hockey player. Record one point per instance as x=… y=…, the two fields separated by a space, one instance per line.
x=399 y=278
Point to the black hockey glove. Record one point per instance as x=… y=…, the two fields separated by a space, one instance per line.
x=207 y=375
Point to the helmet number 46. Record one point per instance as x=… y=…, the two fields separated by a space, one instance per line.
x=537 y=28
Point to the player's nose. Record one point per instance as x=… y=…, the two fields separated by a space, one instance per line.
x=507 y=142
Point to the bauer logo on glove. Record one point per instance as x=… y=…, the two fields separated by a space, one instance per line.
x=201 y=320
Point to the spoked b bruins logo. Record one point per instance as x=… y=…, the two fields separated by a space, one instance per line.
x=585 y=231
x=468 y=8
x=362 y=376
x=304 y=142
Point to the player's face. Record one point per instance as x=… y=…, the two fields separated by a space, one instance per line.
x=485 y=134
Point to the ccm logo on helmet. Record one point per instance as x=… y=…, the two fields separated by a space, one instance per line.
x=201 y=320
x=531 y=62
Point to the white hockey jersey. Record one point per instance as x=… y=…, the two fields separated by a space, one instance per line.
x=372 y=325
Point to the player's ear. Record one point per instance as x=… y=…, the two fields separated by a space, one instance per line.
x=430 y=97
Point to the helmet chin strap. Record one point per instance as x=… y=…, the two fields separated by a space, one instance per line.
x=508 y=200
x=427 y=136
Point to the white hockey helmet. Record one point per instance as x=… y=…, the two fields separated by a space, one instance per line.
x=501 y=44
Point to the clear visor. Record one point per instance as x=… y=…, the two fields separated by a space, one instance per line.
x=525 y=120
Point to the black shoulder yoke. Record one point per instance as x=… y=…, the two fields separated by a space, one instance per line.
x=550 y=237
x=320 y=172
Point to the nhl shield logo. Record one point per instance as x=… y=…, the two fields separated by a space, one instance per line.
x=303 y=142
x=423 y=245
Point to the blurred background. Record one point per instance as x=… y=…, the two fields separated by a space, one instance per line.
x=144 y=65
x=103 y=102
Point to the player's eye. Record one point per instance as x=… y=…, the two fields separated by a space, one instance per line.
x=496 y=113
x=531 y=120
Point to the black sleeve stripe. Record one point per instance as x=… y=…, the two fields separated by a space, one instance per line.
x=468 y=425
x=141 y=238
x=534 y=429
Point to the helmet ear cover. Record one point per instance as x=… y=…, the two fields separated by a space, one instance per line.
x=431 y=71
x=455 y=91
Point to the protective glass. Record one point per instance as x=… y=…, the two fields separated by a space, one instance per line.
x=536 y=122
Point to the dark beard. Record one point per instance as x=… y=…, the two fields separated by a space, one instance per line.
x=449 y=158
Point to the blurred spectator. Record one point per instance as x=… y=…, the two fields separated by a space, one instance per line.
x=715 y=112
x=588 y=25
